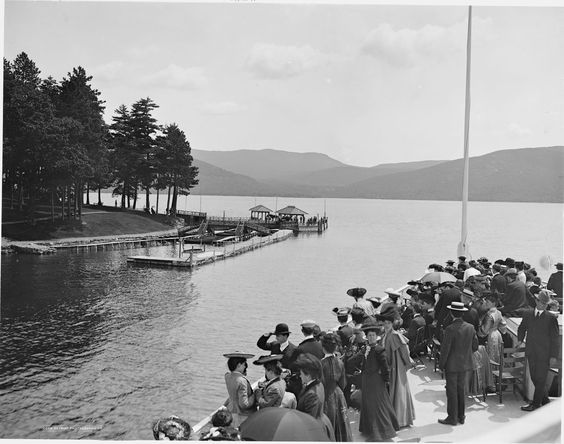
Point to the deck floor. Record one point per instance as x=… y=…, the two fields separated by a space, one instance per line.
x=429 y=399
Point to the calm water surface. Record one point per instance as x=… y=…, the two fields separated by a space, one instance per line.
x=92 y=347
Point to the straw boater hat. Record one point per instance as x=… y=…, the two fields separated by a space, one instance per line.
x=267 y=358
x=457 y=306
x=357 y=292
x=391 y=292
x=238 y=354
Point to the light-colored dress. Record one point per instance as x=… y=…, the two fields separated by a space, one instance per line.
x=489 y=328
x=494 y=341
x=397 y=354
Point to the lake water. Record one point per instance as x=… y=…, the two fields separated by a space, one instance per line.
x=92 y=347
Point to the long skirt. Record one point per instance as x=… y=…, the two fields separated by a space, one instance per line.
x=336 y=410
x=481 y=372
x=378 y=420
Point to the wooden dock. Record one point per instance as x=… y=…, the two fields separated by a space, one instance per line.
x=195 y=258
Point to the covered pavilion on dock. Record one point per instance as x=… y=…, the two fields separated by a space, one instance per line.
x=292 y=211
x=260 y=212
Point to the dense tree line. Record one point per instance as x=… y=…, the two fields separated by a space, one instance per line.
x=57 y=147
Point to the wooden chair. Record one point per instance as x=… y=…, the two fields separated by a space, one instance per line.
x=434 y=345
x=419 y=347
x=511 y=370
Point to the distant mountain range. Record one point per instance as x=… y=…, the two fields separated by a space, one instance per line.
x=516 y=175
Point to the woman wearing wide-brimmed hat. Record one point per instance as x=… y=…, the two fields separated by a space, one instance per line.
x=242 y=400
x=397 y=353
x=359 y=301
x=378 y=421
x=271 y=393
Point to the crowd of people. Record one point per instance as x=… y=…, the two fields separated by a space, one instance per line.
x=362 y=362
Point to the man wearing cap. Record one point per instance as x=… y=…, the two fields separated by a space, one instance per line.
x=458 y=343
x=242 y=400
x=542 y=347
x=359 y=301
x=310 y=344
x=555 y=282
x=515 y=299
x=281 y=345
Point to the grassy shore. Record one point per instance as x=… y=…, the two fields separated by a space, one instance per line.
x=96 y=222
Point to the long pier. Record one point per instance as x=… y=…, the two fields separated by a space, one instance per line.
x=197 y=258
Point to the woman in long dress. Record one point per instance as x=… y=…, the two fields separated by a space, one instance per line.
x=397 y=353
x=378 y=420
x=488 y=329
x=334 y=381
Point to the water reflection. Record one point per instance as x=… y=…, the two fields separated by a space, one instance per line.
x=82 y=335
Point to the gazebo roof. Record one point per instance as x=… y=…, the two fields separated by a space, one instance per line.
x=261 y=209
x=292 y=211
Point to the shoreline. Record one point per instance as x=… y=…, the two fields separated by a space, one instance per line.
x=49 y=246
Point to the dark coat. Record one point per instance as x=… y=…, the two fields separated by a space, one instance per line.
x=498 y=284
x=515 y=299
x=458 y=343
x=378 y=421
x=289 y=352
x=311 y=346
x=472 y=317
x=311 y=399
x=555 y=283
x=542 y=333
x=445 y=299
x=411 y=333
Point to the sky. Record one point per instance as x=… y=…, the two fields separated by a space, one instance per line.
x=365 y=84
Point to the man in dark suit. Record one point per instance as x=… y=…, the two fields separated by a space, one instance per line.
x=458 y=344
x=542 y=347
x=281 y=345
x=310 y=344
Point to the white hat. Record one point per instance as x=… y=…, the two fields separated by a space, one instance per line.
x=308 y=323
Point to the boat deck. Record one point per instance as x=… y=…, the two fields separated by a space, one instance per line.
x=429 y=399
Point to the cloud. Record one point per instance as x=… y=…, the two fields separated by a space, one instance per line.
x=514 y=129
x=223 y=108
x=147 y=51
x=174 y=76
x=108 y=71
x=275 y=62
x=406 y=47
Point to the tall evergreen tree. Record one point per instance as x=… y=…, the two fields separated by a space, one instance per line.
x=144 y=128
x=28 y=114
x=176 y=162
x=80 y=101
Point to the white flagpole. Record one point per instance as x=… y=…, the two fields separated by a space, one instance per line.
x=463 y=247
